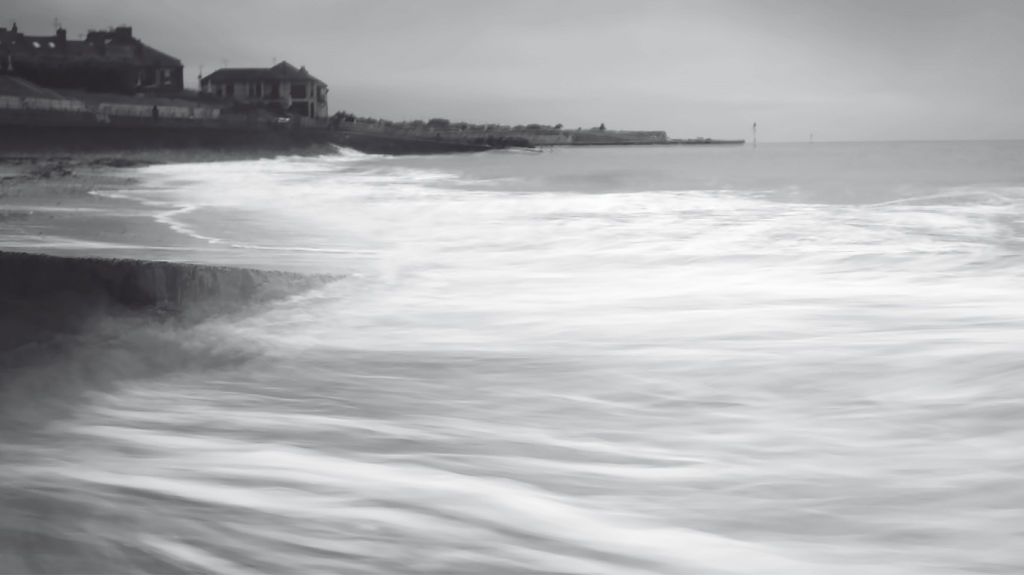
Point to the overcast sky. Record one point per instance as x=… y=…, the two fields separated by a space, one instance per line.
x=842 y=69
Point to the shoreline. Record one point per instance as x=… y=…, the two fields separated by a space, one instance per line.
x=49 y=205
x=57 y=204
x=68 y=255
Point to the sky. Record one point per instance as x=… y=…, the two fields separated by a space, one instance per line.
x=844 y=70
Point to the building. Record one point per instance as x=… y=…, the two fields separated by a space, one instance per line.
x=105 y=61
x=282 y=87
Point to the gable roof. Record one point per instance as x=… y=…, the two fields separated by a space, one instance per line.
x=153 y=57
x=281 y=71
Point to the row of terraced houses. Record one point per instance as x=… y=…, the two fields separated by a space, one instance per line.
x=115 y=61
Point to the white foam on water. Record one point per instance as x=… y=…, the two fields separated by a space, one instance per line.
x=536 y=365
x=194 y=557
x=479 y=502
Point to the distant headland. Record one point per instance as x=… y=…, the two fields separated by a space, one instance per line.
x=111 y=91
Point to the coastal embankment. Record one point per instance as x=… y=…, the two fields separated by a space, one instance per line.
x=56 y=138
x=42 y=294
x=93 y=290
x=35 y=119
x=70 y=323
x=255 y=140
x=39 y=120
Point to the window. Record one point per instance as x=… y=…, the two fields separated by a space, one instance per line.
x=299 y=91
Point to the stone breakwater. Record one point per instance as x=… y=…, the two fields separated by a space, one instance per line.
x=41 y=295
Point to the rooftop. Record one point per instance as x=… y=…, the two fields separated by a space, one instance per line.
x=281 y=71
x=116 y=45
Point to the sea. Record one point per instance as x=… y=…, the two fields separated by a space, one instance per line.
x=795 y=358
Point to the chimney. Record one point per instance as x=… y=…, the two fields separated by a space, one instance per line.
x=62 y=38
x=123 y=33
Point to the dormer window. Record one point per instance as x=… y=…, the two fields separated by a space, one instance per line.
x=35 y=44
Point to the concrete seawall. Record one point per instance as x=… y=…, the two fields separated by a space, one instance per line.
x=41 y=295
x=40 y=137
x=100 y=138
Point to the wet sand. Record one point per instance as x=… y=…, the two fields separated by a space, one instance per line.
x=49 y=205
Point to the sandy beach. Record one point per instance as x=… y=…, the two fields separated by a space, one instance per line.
x=60 y=205
x=49 y=204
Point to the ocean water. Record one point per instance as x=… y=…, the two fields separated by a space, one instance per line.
x=795 y=358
